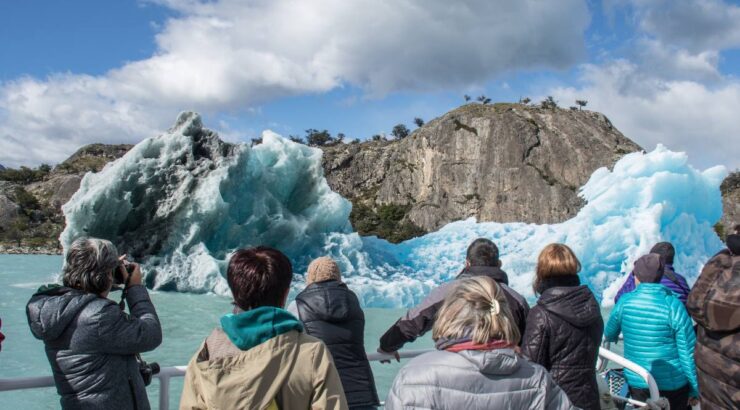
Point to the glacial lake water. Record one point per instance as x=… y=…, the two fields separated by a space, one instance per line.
x=186 y=321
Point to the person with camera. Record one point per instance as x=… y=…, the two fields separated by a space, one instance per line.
x=92 y=345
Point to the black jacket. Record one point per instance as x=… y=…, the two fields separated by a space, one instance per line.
x=420 y=319
x=563 y=335
x=91 y=343
x=331 y=312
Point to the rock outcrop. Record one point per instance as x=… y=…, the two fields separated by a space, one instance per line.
x=501 y=162
x=31 y=201
x=730 y=204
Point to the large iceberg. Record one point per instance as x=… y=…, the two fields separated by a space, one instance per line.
x=181 y=202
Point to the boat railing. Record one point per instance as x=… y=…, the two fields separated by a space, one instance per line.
x=167 y=373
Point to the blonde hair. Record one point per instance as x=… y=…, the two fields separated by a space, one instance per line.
x=555 y=259
x=476 y=308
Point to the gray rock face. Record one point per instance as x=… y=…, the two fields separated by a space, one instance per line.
x=8 y=208
x=730 y=202
x=502 y=162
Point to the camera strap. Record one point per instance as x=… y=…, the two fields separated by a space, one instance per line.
x=124 y=292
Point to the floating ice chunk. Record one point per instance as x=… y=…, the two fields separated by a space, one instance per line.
x=183 y=201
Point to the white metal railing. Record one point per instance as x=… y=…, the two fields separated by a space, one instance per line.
x=166 y=373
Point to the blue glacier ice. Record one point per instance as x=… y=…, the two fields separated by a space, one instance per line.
x=182 y=201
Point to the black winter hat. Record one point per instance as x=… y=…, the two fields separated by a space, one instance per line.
x=649 y=268
x=666 y=250
x=733 y=244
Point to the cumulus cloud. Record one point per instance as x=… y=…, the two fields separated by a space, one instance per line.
x=696 y=25
x=683 y=115
x=229 y=55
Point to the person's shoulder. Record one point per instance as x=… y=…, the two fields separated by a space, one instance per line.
x=537 y=311
x=100 y=307
x=514 y=294
x=307 y=343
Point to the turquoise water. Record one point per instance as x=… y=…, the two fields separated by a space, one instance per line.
x=186 y=321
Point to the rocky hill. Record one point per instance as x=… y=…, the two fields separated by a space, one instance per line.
x=31 y=217
x=730 y=204
x=500 y=162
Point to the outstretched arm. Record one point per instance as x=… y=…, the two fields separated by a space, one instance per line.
x=416 y=322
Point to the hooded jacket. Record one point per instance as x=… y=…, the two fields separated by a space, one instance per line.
x=91 y=343
x=331 y=312
x=658 y=335
x=714 y=303
x=671 y=279
x=474 y=379
x=261 y=359
x=563 y=335
x=420 y=319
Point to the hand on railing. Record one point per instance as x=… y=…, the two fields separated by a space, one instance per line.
x=395 y=354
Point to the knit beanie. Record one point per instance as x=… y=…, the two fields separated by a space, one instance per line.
x=649 y=268
x=323 y=269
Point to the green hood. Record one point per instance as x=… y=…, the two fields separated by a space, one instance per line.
x=253 y=327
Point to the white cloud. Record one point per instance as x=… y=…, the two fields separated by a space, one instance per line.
x=696 y=25
x=229 y=55
x=683 y=115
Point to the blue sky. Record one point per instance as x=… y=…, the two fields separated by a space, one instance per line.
x=88 y=71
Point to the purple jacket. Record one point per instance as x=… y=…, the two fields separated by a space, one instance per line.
x=679 y=287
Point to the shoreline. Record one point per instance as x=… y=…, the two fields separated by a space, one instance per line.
x=29 y=250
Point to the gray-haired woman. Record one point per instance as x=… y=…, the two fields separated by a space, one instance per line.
x=477 y=364
x=90 y=342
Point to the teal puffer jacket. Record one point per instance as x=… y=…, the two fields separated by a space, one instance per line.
x=658 y=335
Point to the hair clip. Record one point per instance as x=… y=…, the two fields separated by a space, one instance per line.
x=495 y=307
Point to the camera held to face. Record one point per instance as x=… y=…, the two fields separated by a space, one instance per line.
x=118 y=277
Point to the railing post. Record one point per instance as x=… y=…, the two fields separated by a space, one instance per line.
x=164 y=392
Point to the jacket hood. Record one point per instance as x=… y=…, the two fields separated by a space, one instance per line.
x=53 y=308
x=253 y=327
x=496 y=361
x=574 y=304
x=330 y=301
x=494 y=272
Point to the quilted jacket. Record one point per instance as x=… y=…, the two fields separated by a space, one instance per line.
x=563 y=335
x=658 y=335
x=91 y=343
x=472 y=380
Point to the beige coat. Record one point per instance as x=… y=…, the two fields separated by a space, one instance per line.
x=293 y=369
